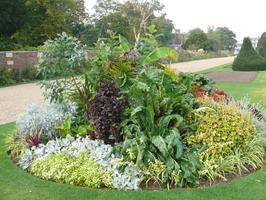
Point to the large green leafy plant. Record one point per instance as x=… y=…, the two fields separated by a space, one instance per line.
x=156 y=124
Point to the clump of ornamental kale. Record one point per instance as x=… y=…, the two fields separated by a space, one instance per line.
x=105 y=112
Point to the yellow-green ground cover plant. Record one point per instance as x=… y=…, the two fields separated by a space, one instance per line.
x=129 y=122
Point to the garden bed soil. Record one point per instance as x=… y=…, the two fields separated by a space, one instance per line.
x=235 y=77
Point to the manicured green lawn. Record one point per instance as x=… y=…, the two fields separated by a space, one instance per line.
x=255 y=90
x=220 y=68
x=15 y=184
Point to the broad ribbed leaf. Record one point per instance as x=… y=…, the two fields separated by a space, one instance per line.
x=160 y=144
x=165 y=121
x=174 y=142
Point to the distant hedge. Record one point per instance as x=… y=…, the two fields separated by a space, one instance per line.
x=261 y=47
x=248 y=59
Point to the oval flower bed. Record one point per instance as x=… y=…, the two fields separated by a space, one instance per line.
x=128 y=122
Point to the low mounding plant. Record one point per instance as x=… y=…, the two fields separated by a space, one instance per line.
x=248 y=59
x=195 y=81
x=45 y=118
x=222 y=127
x=105 y=112
x=6 y=77
x=15 y=145
x=228 y=134
x=129 y=178
x=63 y=168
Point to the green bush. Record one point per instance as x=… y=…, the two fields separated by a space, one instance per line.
x=229 y=136
x=6 y=77
x=63 y=168
x=15 y=145
x=248 y=59
x=261 y=47
x=222 y=127
x=13 y=76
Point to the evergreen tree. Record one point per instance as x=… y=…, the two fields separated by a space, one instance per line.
x=261 y=47
x=248 y=59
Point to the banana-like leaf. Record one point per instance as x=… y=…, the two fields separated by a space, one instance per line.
x=160 y=144
x=159 y=54
x=124 y=43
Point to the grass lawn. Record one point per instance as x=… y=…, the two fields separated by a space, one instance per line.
x=255 y=90
x=15 y=184
x=220 y=68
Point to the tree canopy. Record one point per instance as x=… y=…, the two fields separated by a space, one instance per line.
x=197 y=39
x=31 y=22
x=35 y=21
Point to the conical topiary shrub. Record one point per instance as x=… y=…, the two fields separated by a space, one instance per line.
x=248 y=59
x=261 y=47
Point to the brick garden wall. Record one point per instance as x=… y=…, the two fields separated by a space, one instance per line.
x=23 y=59
x=18 y=59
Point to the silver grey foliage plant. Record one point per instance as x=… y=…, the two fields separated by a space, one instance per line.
x=45 y=118
x=246 y=105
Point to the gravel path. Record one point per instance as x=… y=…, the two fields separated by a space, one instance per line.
x=199 y=65
x=14 y=99
x=233 y=77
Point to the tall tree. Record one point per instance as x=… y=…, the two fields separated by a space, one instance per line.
x=103 y=8
x=138 y=13
x=214 y=37
x=197 y=39
x=165 y=28
x=228 y=38
x=114 y=22
x=46 y=18
x=12 y=16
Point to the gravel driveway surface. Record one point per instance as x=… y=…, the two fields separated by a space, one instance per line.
x=234 y=77
x=199 y=65
x=14 y=99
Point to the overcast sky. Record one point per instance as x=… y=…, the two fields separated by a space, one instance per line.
x=244 y=17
